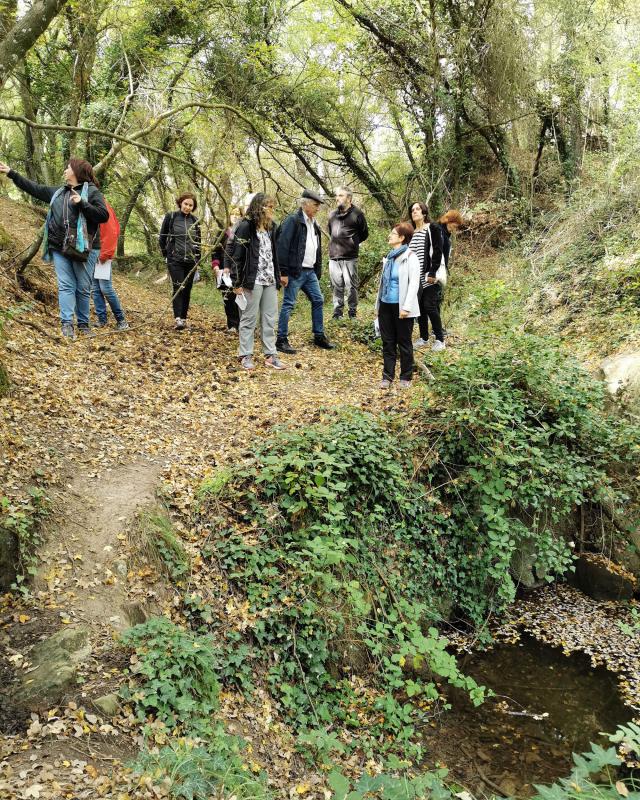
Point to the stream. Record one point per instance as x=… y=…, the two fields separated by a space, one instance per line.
x=547 y=706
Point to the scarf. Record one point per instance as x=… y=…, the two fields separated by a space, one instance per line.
x=82 y=237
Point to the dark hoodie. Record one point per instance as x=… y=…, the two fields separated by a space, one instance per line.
x=347 y=229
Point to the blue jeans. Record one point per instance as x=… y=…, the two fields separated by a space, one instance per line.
x=74 y=286
x=103 y=290
x=308 y=282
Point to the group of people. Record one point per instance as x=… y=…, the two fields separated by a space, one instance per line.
x=80 y=237
x=254 y=260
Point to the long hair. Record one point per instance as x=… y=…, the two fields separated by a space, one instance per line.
x=451 y=217
x=255 y=211
x=425 y=212
x=83 y=171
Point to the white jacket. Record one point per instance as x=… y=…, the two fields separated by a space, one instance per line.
x=408 y=282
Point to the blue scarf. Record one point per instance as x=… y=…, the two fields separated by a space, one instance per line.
x=82 y=238
x=388 y=267
x=391 y=256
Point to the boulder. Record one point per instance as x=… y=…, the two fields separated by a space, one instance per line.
x=602 y=579
x=108 y=704
x=621 y=373
x=9 y=556
x=523 y=565
x=54 y=671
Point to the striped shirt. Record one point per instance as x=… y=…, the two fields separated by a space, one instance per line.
x=419 y=241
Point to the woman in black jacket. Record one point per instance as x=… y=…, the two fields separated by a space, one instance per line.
x=71 y=237
x=427 y=244
x=253 y=264
x=180 y=245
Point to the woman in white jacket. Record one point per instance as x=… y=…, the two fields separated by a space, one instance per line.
x=397 y=305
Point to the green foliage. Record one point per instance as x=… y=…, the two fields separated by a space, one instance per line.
x=175 y=683
x=214 y=484
x=337 y=572
x=391 y=787
x=634 y=628
x=522 y=438
x=196 y=772
x=24 y=520
x=158 y=540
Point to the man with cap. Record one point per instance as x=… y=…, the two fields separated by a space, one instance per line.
x=300 y=260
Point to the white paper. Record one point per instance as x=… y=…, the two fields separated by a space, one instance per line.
x=227 y=280
x=102 y=271
x=241 y=302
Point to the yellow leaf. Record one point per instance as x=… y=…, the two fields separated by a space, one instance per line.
x=303 y=788
x=24 y=618
x=622 y=789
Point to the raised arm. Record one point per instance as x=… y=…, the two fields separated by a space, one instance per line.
x=37 y=190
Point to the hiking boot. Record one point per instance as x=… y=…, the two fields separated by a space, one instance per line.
x=123 y=325
x=323 y=342
x=68 y=331
x=274 y=362
x=384 y=384
x=420 y=343
x=85 y=330
x=437 y=346
x=284 y=346
x=246 y=362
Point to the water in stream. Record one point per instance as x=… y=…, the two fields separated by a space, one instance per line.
x=501 y=744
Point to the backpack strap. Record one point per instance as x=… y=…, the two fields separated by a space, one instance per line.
x=46 y=255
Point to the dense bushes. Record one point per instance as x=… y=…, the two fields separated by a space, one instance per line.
x=520 y=438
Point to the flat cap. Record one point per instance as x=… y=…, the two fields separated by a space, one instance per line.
x=307 y=194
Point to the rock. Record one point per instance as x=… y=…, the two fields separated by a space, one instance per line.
x=9 y=554
x=54 y=671
x=136 y=613
x=108 y=704
x=602 y=579
x=523 y=565
x=621 y=374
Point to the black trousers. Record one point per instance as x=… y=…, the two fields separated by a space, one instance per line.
x=231 y=309
x=179 y=271
x=429 y=301
x=396 y=335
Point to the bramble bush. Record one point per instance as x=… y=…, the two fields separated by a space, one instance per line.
x=521 y=438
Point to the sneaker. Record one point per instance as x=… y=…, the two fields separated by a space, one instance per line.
x=68 y=331
x=323 y=342
x=283 y=345
x=420 y=343
x=352 y=315
x=437 y=346
x=180 y=324
x=337 y=315
x=246 y=362
x=123 y=325
x=404 y=384
x=85 y=330
x=232 y=330
x=384 y=384
x=274 y=362
x=102 y=323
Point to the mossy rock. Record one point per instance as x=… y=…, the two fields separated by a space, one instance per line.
x=6 y=242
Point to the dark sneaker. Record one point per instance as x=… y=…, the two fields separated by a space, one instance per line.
x=123 y=325
x=68 y=331
x=85 y=330
x=323 y=342
x=337 y=316
x=102 y=323
x=283 y=345
x=352 y=314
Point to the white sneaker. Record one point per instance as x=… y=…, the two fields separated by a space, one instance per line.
x=420 y=343
x=181 y=324
x=437 y=346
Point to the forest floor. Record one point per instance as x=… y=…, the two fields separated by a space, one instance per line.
x=105 y=428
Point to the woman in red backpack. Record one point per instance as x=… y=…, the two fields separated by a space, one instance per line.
x=102 y=286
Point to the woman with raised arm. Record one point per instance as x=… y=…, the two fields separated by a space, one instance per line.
x=71 y=236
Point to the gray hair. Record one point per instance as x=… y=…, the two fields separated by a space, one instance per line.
x=305 y=201
x=344 y=189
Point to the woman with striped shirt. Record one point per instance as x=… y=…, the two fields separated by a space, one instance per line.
x=427 y=245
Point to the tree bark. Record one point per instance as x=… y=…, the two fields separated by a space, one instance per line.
x=25 y=33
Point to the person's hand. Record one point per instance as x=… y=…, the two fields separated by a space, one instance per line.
x=226 y=271
x=431 y=280
x=284 y=280
x=216 y=269
x=75 y=197
x=404 y=314
x=238 y=290
x=5 y=168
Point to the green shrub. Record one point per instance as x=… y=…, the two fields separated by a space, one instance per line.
x=155 y=539
x=175 y=680
x=520 y=438
x=336 y=570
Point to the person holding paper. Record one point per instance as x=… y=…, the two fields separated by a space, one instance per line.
x=222 y=273
x=102 y=287
x=256 y=279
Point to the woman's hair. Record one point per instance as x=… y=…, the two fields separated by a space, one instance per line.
x=255 y=211
x=405 y=230
x=423 y=207
x=451 y=217
x=187 y=196
x=83 y=171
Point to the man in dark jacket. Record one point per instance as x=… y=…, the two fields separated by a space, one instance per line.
x=300 y=259
x=347 y=230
